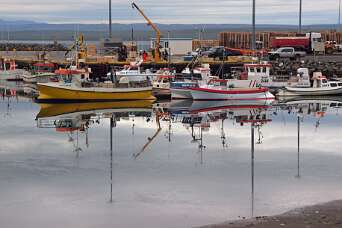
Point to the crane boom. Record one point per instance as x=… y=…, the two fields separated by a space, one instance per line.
x=155 y=28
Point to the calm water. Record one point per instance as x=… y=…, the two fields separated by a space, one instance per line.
x=56 y=162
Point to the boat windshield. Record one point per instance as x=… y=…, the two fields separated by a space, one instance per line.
x=194 y=76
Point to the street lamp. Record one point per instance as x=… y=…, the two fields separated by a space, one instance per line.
x=110 y=19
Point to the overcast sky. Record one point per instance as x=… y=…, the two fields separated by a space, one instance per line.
x=175 y=11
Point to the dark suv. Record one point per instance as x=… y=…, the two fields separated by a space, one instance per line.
x=214 y=52
x=220 y=52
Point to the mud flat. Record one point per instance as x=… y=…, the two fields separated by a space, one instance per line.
x=318 y=216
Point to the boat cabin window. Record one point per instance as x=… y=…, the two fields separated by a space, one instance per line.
x=324 y=81
x=192 y=120
x=333 y=85
x=82 y=76
x=258 y=69
x=192 y=76
x=63 y=123
x=339 y=84
x=218 y=83
x=263 y=70
x=251 y=70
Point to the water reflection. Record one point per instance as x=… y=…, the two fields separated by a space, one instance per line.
x=186 y=163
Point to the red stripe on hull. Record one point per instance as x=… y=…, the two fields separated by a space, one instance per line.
x=231 y=107
x=261 y=90
x=236 y=99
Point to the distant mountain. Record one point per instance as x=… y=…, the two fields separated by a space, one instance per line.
x=22 y=25
x=18 y=22
x=30 y=30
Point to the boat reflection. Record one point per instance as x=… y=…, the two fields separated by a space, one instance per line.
x=76 y=118
x=198 y=118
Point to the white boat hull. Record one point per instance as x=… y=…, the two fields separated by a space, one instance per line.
x=206 y=94
x=292 y=91
x=13 y=74
x=198 y=106
x=43 y=78
x=180 y=93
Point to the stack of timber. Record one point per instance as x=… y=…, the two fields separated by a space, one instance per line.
x=244 y=39
x=204 y=43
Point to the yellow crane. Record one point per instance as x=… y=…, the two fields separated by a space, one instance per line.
x=155 y=28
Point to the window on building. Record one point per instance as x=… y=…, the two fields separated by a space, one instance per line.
x=166 y=44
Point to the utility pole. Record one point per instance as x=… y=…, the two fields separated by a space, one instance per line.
x=110 y=19
x=253 y=32
x=300 y=17
x=339 y=16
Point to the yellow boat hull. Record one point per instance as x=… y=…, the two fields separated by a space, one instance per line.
x=51 y=110
x=53 y=92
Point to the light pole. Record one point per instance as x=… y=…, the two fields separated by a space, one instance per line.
x=110 y=19
x=253 y=31
x=339 y=16
x=300 y=17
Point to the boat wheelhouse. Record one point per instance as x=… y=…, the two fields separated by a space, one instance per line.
x=320 y=85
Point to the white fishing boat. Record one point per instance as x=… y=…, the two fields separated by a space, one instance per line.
x=190 y=78
x=41 y=73
x=9 y=71
x=321 y=86
x=134 y=73
x=224 y=93
x=261 y=75
x=161 y=86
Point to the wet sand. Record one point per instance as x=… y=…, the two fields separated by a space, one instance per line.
x=318 y=216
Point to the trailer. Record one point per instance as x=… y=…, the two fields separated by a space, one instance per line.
x=311 y=43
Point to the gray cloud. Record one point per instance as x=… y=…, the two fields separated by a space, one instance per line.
x=176 y=11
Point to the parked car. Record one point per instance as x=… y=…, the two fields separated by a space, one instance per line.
x=231 y=52
x=221 y=52
x=286 y=52
x=199 y=51
x=214 y=52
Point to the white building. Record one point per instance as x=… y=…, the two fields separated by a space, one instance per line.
x=178 y=46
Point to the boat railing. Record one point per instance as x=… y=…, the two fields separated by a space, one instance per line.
x=115 y=84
